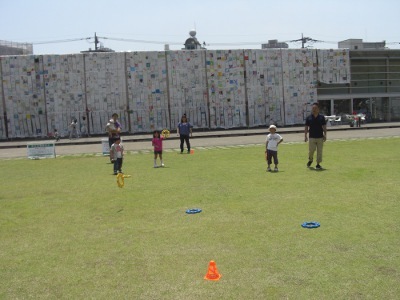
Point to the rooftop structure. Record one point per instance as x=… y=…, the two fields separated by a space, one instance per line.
x=192 y=43
x=13 y=48
x=358 y=44
x=274 y=44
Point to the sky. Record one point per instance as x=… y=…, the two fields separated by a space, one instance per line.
x=69 y=26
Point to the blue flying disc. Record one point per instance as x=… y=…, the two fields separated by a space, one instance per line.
x=193 y=211
x=310 y=225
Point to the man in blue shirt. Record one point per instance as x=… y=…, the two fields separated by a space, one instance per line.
x=316 y=129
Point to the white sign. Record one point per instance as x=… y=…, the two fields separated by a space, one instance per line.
x=38 y=150
x=105 y=146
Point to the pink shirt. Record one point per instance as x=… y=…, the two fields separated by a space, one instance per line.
x=157 y=143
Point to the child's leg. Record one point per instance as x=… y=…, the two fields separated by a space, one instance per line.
x=120 y=164
x=115 y=164
x=269 y=157
x=155 y=159
x=276 y=160
x=162 y=164
x=269 y=160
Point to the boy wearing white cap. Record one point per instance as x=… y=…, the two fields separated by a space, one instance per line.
x=271 y=147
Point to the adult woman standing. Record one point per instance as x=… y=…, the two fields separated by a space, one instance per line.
x=184 y=130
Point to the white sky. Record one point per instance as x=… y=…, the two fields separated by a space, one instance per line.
x=222 y=24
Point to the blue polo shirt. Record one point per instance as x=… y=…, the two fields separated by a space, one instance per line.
x=315 y=124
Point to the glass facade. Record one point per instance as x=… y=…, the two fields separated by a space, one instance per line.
x=374 y=89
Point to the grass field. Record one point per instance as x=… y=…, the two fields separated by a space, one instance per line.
x=67 y=231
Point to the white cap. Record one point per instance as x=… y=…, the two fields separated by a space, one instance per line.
x=272 y=126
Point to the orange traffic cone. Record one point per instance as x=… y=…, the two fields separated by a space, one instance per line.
x=212 y=272
x=191 y=151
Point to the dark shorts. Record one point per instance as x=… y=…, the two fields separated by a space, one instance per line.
x=272 y=155
x=157 y=152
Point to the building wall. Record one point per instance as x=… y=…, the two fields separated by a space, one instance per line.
x=151 y=90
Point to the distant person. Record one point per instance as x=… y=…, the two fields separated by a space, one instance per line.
x=157 y=143
x=316 y=129
x=184 y=131
x=56 y=135
x=271 y=147
x=113 y=128
x=84 y=130
x=73 y=131
x=117 y=154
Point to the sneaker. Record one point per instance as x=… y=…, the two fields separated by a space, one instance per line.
x=115 y=173
x=155 y=166
x=188 y=152
x=269 y=169
x=276 y=170
x=318 y=167
x=309 y=163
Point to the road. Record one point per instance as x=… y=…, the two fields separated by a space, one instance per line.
x=17 y=149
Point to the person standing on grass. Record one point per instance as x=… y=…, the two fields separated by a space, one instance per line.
x=184 y=130
x=117 y=155
x=113 y=128
x=271 y=147
x=157 y=143
x=316 y=129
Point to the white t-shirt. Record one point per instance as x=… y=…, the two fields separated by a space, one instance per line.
x=273 y=140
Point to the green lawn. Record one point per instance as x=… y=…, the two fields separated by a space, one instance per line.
x=67 y=231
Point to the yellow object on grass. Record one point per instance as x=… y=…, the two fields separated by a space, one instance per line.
x=120 y=179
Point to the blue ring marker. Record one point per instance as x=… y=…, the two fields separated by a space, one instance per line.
x=193 y=211
x=310 y=225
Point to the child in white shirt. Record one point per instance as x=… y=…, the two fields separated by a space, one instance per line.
x=117 y=155
x=273 y=140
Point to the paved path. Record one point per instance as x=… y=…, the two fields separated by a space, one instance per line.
x=17 y=149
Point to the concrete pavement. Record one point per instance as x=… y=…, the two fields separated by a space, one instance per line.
x=18 y=148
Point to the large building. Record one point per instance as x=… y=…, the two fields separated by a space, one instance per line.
x=13 y=48
x=374 y=87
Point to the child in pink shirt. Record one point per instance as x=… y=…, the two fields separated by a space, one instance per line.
x=157 y=144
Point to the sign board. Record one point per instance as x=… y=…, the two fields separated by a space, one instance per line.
x=105 y=146
x=38 y=150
